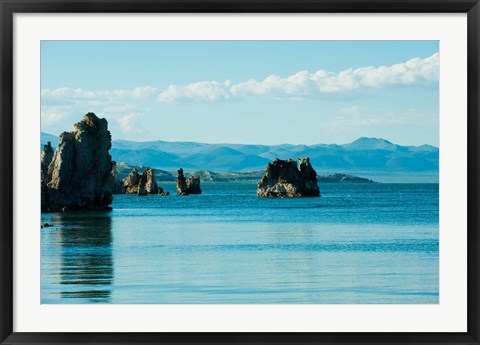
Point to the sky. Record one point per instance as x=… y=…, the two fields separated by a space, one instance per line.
x=248 y=92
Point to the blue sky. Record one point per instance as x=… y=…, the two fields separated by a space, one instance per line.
x=259 y=92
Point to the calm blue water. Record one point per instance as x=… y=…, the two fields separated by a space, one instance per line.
x=358 y=243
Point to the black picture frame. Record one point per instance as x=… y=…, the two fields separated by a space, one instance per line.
x=9 y=7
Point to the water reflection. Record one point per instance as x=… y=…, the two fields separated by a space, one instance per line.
x=86 y=268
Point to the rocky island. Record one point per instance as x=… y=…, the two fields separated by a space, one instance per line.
x=78 y=175
x=188 y=186
x=283 y=178
x=142 y=184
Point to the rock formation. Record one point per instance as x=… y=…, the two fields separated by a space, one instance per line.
x=117 y=184
x=193 y=185
x=151 y=186
x=142 y=184
x=45 y=159
x=181 y=183
x=79 y=174
x=283 y=178
x=162 y=192
x=130 y=183
x=141 y=187
x=188 y=186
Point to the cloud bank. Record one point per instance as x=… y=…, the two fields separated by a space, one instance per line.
x=140 y=92
x=300 y=85
x=304 y=84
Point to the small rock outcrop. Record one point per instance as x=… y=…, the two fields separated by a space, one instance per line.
x=142 y=184
x=45 y=159
x=193 y=185
x=283 y=178
x=79 y=174
x=162 y=192
x=181 y=183
x=130 y=183
x=151 y=186
x=117 y=184
x=188 y=186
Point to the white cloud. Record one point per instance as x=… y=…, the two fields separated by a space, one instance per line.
x=57 y=93
x=83 y=94
x=414 y=71
x=201 y=91
x=128 y=124
x=305 y=84
x=52 y=114
x=300 y=85
x=140 y=92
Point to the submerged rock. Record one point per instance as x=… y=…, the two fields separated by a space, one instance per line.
x=162 y=192
x=283 y=178
x=188 y=186
x=79 y=174
x=141 y=184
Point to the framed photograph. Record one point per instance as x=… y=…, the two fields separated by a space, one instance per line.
x=238 y=172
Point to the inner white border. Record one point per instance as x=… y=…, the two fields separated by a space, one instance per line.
x=450 y=315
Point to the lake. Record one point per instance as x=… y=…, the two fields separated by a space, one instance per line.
x=357 y=243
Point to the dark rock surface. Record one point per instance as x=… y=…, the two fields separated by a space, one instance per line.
x=283 y=178
x=117 y=184
x=45 y=159
x=151 y=186
x=130 y=183
x=193 y=185
x=141 y=184
x=162 y=192
x=141 y=187
x=188 y=186
x=181 y=183
x=79 y=175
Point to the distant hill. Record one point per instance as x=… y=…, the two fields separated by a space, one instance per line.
x=45 y=137
x=372 y=158
x=124 y=169
x=342 y=178
x=371 y=144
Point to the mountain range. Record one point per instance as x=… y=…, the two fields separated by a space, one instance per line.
x=374 y=158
